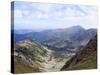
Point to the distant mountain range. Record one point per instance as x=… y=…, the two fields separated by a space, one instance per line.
x=22 y=31
x=72 y=36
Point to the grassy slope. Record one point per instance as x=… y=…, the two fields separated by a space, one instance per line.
x=86 y=63
x=20 y=67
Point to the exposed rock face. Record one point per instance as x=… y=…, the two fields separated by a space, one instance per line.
x=89 y=50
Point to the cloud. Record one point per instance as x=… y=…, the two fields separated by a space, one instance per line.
x=61 y=15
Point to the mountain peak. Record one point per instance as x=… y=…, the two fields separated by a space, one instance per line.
x=77 y=27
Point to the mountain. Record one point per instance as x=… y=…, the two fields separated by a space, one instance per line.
x=86 y=58
x=60 y=39
x=22 y=31
x=28 y=55
x=74 y=33
x=54 y=50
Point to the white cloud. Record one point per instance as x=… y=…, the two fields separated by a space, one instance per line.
x=53 y=14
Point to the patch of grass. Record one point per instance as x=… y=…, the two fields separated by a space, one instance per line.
x=87 y=63
x=22 y=68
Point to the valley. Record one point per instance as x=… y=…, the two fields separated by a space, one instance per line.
x=49 y=50
x=46 y=62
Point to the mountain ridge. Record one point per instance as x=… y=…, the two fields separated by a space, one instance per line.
x=74 y=34
x=88 y=51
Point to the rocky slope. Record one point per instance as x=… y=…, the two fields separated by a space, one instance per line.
x=30 y=54
x=86 y=58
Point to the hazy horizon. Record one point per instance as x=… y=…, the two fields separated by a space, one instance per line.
x=43 y=16
x=39 y=30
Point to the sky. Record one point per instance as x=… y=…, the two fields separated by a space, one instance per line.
x=41 y=16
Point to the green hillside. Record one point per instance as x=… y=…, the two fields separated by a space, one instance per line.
x=86 y=58
x=86 y=63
